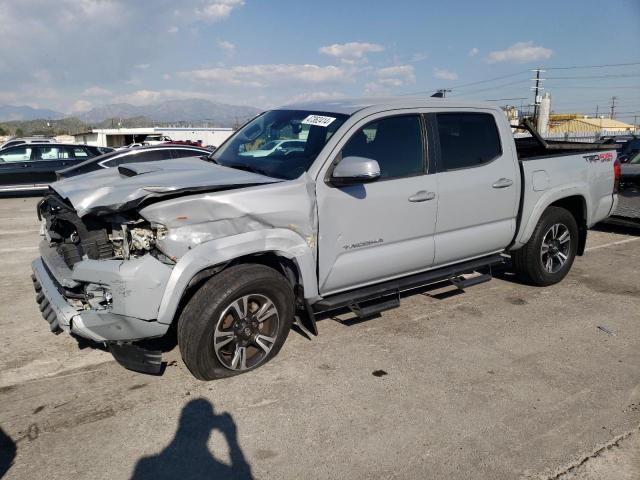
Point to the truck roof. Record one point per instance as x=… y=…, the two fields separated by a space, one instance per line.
x=349 y=106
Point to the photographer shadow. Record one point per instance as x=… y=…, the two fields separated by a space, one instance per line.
x=188 y=455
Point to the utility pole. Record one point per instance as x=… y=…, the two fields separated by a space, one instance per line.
x=537 y=98
x=613 y=107
x=597 y=106
x=441 y=93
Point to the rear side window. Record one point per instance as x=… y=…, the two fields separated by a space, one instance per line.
x=80 y=152
x=148 y=156
x=394 y=142
x=52 y=153
x=467 y=140
x=181 y=153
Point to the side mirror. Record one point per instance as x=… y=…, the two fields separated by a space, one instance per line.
x=355 y=170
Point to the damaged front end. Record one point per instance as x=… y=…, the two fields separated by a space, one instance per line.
x=100 y=277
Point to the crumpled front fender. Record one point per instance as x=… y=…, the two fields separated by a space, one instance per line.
x=284 y=242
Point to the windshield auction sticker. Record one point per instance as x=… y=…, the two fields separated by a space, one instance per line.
x=318 y=120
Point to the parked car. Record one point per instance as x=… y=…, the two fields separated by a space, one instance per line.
x=630 y=171
x=155 y=139
x=629 y=149
x=32 y=166
x=387 y=195
x=22 y=140
x=275 y=147
x=132 y=155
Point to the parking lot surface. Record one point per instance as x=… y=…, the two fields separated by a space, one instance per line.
x=503 y=381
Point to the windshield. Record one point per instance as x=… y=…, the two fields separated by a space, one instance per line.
x=279 y=143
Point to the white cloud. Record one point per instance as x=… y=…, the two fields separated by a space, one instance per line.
x=142 y=66
x=80 y=106
x=388 y=78
x=351 y=52
x=444 y=74
x=227 y=47
x=315 y=97
x=96 y=91
x=396 y=76
x=218 y=9
x=419 y=57
x=146 y=97
x=474 y=51
x=166 y=76
x=374 y=89
x=521 y=52
x=173 y=29
x=267 y=75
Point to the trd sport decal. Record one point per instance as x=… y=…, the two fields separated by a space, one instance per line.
x=599 y=157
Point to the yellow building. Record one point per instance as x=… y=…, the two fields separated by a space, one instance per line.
x=587 y=125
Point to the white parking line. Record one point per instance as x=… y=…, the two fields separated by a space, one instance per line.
x=19 y=249
x=619 y=242
x=19 y=232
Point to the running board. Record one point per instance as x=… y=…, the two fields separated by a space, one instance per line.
x=373 y=292
x=461 y=283
x=376 y=306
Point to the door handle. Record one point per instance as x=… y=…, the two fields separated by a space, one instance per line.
x=503 y=183
x=422 y=196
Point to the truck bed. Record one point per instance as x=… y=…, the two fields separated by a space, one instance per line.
x=530 y=147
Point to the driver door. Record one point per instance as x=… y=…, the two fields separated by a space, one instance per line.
x=376 y=231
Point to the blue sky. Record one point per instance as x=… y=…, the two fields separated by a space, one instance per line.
x=71 y=55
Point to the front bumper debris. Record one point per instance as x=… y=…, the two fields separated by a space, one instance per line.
x=96 y=325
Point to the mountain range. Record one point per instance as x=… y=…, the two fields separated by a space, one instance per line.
x=23 y=112
x=189 y=110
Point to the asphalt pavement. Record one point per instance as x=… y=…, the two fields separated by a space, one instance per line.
x=503 y=381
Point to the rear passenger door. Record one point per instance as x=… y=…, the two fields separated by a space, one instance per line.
x=47 y=159
x=478 y=186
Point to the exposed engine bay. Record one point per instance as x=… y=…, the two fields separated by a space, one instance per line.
x=121 y=235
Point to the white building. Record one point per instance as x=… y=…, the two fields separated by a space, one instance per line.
x=118 y=137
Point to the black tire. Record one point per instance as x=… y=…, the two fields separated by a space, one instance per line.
x=528 y=260
x=202 y=318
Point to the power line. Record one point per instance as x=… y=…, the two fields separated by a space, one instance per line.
x=594 y=66
x=595 y=76
x=494 y=87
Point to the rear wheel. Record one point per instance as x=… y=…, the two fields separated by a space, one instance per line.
x=548 y=255
x=237 y=321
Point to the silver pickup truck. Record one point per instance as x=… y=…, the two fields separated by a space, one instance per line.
x=307 y=209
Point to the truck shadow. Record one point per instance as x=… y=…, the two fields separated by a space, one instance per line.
x=8 y=451
x=188 y=456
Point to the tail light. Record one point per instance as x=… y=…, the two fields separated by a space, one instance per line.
x=616 y=176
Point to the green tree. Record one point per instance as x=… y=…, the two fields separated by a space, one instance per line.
x=19 y=132
x=3 y=131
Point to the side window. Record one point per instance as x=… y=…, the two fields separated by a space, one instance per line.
x=467 y=140
x=149 y=156
x=80 y=152
x=52 y=153
x=394 y=142
x=181 y=153
x=16 y=154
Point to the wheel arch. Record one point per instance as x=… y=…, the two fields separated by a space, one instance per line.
x=576 y=205
x=573 y=199
x=284 y=251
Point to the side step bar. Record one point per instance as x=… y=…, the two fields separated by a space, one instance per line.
x=375 y=292
x=376 y=306
x=461 y=283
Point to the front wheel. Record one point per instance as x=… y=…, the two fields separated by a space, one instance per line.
x=237 y=321
x=548 y=255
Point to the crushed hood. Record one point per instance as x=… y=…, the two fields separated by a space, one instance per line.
x=125 y=187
